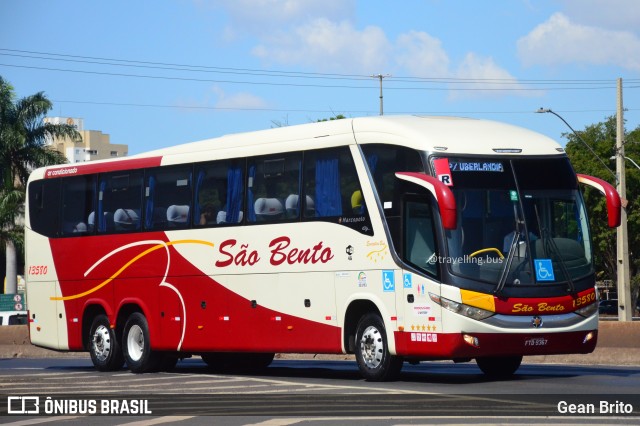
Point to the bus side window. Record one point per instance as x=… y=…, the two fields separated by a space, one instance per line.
x=119 y=202
x=44 y=199
x=272 y=187
x=78 y=201
x=167 y=197
x=331 y=184
x=419 y=238
x=219 y=193
x=384 y=161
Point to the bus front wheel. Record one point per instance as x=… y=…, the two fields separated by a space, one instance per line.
x=375 y=362
x=103 y=345
x=499 y=366
x=137 y=345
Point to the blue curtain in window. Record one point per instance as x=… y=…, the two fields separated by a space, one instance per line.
x=250 y=196
x=148 y=221
x=196 y=205
x=328 y=197
x=100 y=219
x=234 y=194
x=372 y=162
x=577 y=214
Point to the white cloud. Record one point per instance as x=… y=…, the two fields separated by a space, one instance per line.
x=216 y=97
x=560 y=41
x=240 y=100
x=421 y=55
x=265 y=16
x=328 y=46
x=612 y=14
x=321 y=36
x=482 y=77
x=339 y=47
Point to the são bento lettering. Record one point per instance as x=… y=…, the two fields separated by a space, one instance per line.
x=280 y=251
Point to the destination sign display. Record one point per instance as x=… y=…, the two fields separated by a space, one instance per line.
x=476 y=166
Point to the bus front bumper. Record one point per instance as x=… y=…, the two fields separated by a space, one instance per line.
x=428 y=345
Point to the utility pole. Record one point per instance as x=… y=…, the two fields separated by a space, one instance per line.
x=381 y=76
x=625 y=310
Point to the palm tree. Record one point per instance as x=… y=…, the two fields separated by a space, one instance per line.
x=23 y=136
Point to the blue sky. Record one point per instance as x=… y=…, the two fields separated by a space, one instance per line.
x=158 y=73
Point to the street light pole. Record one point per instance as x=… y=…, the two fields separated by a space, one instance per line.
x=543 y=110
x=381 y=76
x=632 y=162
x=625 y=310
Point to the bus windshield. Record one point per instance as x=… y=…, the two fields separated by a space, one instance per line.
x=520 y=222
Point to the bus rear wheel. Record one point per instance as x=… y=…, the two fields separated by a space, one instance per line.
x=499 y=366
x=137 y=345
x=103 y=345
x=375 y=362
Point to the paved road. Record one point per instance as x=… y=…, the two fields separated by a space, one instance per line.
x=425 y=394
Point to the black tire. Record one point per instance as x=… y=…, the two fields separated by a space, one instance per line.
x=375 y=362
x=167 y=362
x=237 y=362
x=136 y=345
x=104 y=348
x=216 y=361
x=258 y=361
x=499 y=367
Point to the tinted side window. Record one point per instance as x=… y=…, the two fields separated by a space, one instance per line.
x=119 y=202
x=419 y=237
x=44 y=200
x=168 y=197
x=384 y=161
x=331 y=185
x=219 y=193
x=332 y=189
x=273 y=188
x=78 y=205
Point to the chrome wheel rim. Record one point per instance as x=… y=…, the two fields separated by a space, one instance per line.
x=101 y=343
x=372 y=347
x=135 y=343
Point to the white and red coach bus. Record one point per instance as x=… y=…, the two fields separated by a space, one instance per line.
x=392 y=238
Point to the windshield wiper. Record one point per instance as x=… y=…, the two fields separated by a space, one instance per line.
x=548 y=241
x=507 y=267
x=551 y=247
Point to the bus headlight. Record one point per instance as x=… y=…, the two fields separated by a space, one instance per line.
x=461 y=308
x=587 y=311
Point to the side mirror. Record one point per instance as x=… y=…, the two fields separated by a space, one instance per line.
x=614 y=205
x=443 y=195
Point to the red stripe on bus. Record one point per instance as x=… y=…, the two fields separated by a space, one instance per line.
x=88 y=168
x=545 y=305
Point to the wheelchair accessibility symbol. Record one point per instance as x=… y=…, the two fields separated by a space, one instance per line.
x=544 y=270
x=388 y=281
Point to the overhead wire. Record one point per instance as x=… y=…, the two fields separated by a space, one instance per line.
x=573 y=84
x=294 y=79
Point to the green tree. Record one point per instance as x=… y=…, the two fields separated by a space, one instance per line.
x=335 y=117
x=23 y=136
x=601 y=137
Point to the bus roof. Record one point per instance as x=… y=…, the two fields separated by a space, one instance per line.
x=449 y=135
x=457 y=134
